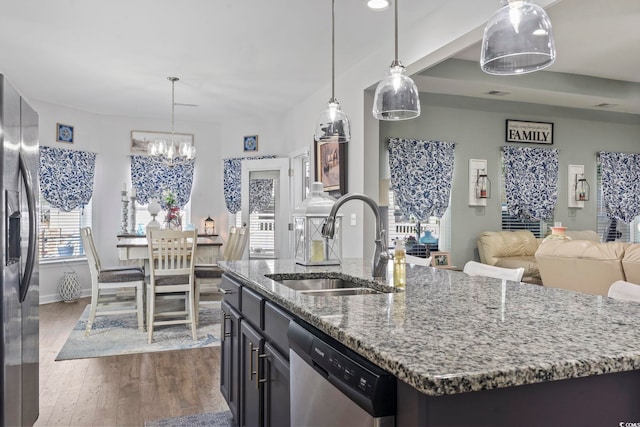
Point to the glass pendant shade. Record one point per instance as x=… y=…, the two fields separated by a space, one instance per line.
x=396 y=96
x=518 y=39
x=333 y=124
x=582 y=189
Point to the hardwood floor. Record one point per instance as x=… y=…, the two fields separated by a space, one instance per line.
x=120 y=390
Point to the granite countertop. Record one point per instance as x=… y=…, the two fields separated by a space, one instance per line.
x=450 y=333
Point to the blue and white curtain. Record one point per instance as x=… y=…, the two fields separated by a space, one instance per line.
x=421 y=175
x=531 y=181
x=232 y=183
x=260 y=191
x=152 y=178
x=66 y=177
x=620 y=185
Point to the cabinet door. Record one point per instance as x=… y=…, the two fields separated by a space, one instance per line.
x=229 y=351
x=275 y=383
x=251 y=346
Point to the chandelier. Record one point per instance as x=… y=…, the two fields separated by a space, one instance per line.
x=174 y=151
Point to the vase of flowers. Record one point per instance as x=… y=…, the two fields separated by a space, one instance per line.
x=173 y=219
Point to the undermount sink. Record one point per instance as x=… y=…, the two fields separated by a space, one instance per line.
x=327 y=285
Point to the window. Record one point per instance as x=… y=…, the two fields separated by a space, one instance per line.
x=402 y=230
x=143 y=217
x=60 y=231
x=539 y=228
x=613 y=231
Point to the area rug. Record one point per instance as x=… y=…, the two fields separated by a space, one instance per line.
x=214 y=419
x=116 y=335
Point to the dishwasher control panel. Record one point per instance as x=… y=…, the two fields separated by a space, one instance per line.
x=345 y=369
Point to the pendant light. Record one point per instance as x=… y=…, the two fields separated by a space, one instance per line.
x=517 y=39
x=333 y=123
x=174 y=151
x=396 y=96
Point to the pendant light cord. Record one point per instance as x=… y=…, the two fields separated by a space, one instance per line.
x=333 y=50
x=395 y=61
x=173 y=103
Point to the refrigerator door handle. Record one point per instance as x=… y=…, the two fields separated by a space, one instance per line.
x=31 y=250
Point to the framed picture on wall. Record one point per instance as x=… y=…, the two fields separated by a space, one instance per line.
x=251 y=143
x=331 y=167
x=141 y=138
x=64 y=133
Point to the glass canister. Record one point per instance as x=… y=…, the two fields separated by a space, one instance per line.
x=311 y=248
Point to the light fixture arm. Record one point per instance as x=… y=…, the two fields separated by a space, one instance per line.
x=173 y=81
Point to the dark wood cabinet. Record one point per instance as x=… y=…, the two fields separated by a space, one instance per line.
x=251 y=393
x=276 y=388
x=254 y=376
x=229 y=357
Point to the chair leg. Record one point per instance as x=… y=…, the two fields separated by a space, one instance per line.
x=197 y=298
x=95 y=294
x=140 y=306
x=151 y=313
x=193 y=308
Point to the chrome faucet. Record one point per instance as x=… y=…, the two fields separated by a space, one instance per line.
x=380 y=255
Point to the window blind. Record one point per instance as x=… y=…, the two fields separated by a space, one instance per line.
x=59 y=236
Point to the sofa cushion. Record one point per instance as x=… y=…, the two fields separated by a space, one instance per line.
x=581 y=265
x=631 y=263
x=583 y=235
x=493 y=245
x=528 y=262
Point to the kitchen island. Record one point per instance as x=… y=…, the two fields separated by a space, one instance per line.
x=477 y=351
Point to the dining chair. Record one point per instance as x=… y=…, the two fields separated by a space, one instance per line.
x=473 y=268
x=105 y=283
x=171 y=258
x=208 y=276
x=241 y=243
x=624 y=291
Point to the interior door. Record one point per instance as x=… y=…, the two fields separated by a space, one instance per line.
x=266 y=208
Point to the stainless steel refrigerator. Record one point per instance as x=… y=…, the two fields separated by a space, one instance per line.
x=20 y=293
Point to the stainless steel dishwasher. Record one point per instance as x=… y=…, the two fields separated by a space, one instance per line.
x=333 y=386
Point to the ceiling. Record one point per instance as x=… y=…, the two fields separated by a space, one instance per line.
x=239 y=58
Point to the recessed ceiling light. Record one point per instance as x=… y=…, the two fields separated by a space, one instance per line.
x=378 y=4
x=498 y=93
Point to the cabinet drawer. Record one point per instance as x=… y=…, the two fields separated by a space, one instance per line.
x=276 y=324
x=231 y=290
x=252 y=304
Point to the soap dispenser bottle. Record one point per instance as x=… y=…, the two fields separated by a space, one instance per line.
x=399 y=264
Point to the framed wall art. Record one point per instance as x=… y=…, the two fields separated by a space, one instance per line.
x=141 y=138
x=64 y=133
x=331 y=167
x=251 y=143
x=529 y=132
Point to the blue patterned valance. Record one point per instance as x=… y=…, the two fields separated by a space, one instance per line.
x=421 y=174
x=620 y=185
x=531 y=181
x=232 y=181
x=152 y=178
x=66 y=177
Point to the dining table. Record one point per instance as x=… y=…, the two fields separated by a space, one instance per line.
x=134 y=249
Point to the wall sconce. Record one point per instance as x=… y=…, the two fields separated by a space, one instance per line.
x=483 y=185
x=209 y=226
x=582 y=189
x=578 y=186
x=479 y=183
